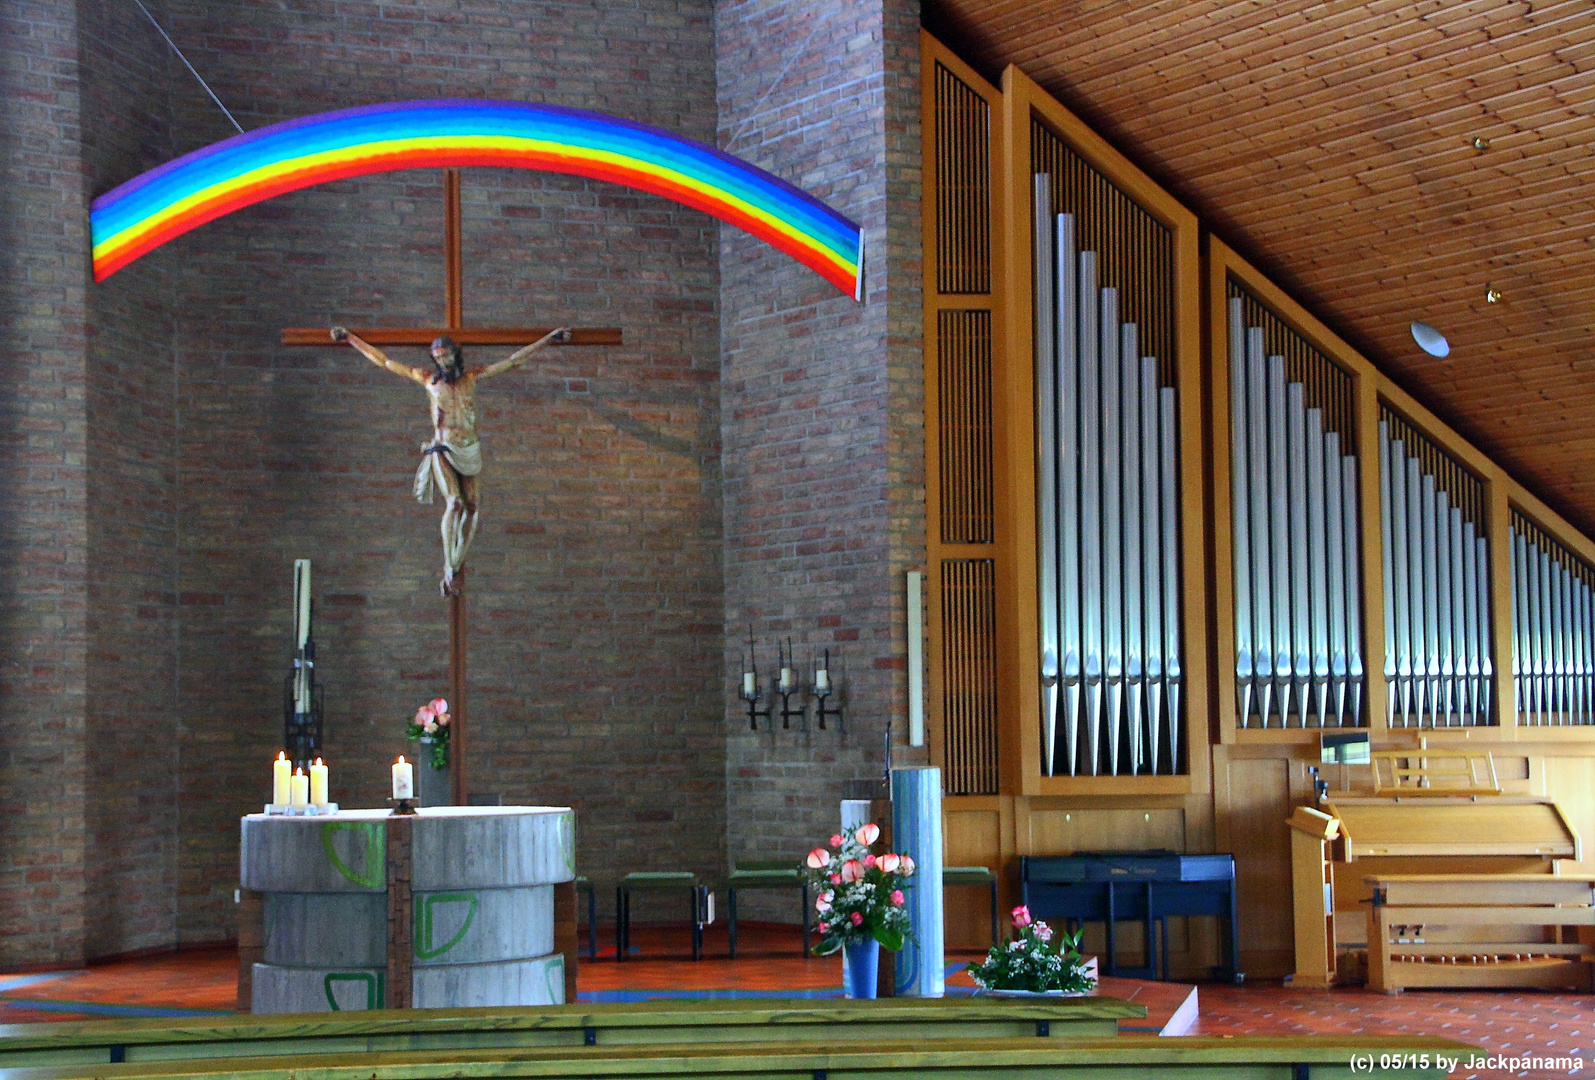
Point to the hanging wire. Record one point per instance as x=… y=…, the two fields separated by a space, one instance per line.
x=754 y=111
x=189 y=66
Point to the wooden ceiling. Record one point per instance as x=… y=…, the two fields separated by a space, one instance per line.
x=1332 y=144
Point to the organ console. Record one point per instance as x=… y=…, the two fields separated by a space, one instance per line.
x=1401 y=832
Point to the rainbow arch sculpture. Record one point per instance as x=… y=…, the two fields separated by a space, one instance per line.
x=166 y=202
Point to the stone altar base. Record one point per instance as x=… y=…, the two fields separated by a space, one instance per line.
x=481 y=917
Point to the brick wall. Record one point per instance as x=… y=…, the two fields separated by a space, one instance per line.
x=130 y=726
x=43 y=279
x=822 y=413
x=595 y=598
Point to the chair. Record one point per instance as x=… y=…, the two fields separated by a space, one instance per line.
x=583 y=885
x=780 y=874
x=971 y=876
x=659 y=881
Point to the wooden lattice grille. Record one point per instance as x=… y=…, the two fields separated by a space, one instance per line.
x=969 y=659
x=964 y=385
x=963 y=187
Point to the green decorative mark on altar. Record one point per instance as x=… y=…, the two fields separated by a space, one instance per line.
x=373 y=866
x=375 y=987
x=554 y=973
x=424 y=949
x=567 y=841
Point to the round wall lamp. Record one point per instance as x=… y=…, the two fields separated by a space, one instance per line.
x=1430 y=340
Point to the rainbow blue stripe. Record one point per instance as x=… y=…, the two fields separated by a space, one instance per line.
x=168 y=201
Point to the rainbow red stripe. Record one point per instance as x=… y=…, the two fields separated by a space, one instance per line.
x=164 y=203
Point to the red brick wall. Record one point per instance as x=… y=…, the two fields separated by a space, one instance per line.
x=822 y=407
x=43 y=277
x=131 y=729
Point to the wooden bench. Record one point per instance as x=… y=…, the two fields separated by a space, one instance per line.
x=1252 y=1057
x=1495 y=930
x=100 y=1042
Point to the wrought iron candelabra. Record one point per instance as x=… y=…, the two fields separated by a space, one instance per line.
x=789 y=688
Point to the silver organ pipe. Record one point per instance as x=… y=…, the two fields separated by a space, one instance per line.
x=1553 y=629
x=1294 y=499
x=1108 y=522
x=1436 y=584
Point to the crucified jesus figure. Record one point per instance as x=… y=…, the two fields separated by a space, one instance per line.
x=453 y=459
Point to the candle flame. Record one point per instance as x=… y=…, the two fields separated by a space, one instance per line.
x=400 y=761
x=282 y=755
x=319 y=761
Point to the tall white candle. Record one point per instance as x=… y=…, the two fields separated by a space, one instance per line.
x=403 y=779
x=786 y=678
x=318 y=783
x=299 y=789
x=747 y=684
x=281 y=770
x=822 y=679
x=301 y=602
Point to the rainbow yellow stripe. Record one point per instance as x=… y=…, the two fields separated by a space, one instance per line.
x=147 y=211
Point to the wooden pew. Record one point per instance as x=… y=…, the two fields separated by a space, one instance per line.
x=1253 y=1057
x=1494 y=930
x=648 y=1022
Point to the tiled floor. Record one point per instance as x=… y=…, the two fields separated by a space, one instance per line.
x=1513 y=1023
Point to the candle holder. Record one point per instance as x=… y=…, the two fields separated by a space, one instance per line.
x=823 y=689
x=752 y=702
x=402 y=808
x=788 y=712
x=308 y=810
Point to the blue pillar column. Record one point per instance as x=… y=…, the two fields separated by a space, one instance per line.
x=916 y=832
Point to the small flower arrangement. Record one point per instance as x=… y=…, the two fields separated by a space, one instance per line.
x=431 y=721
x=859 y=895
x=1030 y=961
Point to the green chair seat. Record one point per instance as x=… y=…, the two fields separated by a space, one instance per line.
x=977 y=876
x=658 y=881
x=764 y=874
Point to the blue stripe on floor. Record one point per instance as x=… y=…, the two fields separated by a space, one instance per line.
x=100 y=1008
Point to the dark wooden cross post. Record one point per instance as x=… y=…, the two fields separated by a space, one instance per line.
x=454 y=327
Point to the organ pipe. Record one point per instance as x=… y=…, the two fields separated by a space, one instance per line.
x=1107 y=522
x=1553 y=629
x=1293 y=495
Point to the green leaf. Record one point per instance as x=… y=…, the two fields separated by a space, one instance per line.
x=889 y=938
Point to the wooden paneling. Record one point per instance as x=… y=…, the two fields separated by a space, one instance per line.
x=972 y=837
x=1333 y=143
x=1252 y=800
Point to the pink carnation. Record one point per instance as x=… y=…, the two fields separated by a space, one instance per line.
x=869 y=860
x=1021 y=917
x=858 y=920
x=823 y=927
x=897 y=897
x=836 y=840
x=836 y=879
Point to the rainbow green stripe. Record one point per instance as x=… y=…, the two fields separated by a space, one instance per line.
x=166 y=202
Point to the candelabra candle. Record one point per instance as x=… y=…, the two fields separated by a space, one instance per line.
x=281 y=773
x=823 y=690
x=299 y=789
x=318 y=783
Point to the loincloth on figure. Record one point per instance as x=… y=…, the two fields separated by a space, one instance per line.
x=465 y=460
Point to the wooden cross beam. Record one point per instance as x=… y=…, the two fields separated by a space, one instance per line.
x=453 y=326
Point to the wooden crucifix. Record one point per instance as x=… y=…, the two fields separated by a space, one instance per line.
x=447 y=466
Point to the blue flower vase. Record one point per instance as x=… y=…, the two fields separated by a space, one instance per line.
x=862 y=963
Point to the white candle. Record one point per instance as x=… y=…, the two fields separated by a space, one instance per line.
x=280 y=772
x=822 y=679
x=747 y=684
x=786 y=678
x=299 y=789
x=403 y=779
x=318 y=783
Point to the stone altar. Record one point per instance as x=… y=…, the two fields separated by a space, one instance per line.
x=482 y=919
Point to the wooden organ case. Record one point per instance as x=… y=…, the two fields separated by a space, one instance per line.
x=1353 y=846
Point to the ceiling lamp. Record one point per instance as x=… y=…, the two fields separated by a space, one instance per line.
x=1430 y=340
x=1492 y=295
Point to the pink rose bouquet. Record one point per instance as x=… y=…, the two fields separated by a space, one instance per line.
x=431 y=721
x=858 y=893
x=1030 y=961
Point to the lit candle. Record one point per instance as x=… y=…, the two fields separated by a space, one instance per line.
x=318 y=783
x=299 y=789
x=748 y=686
x=403 y=779
x=280 y=772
